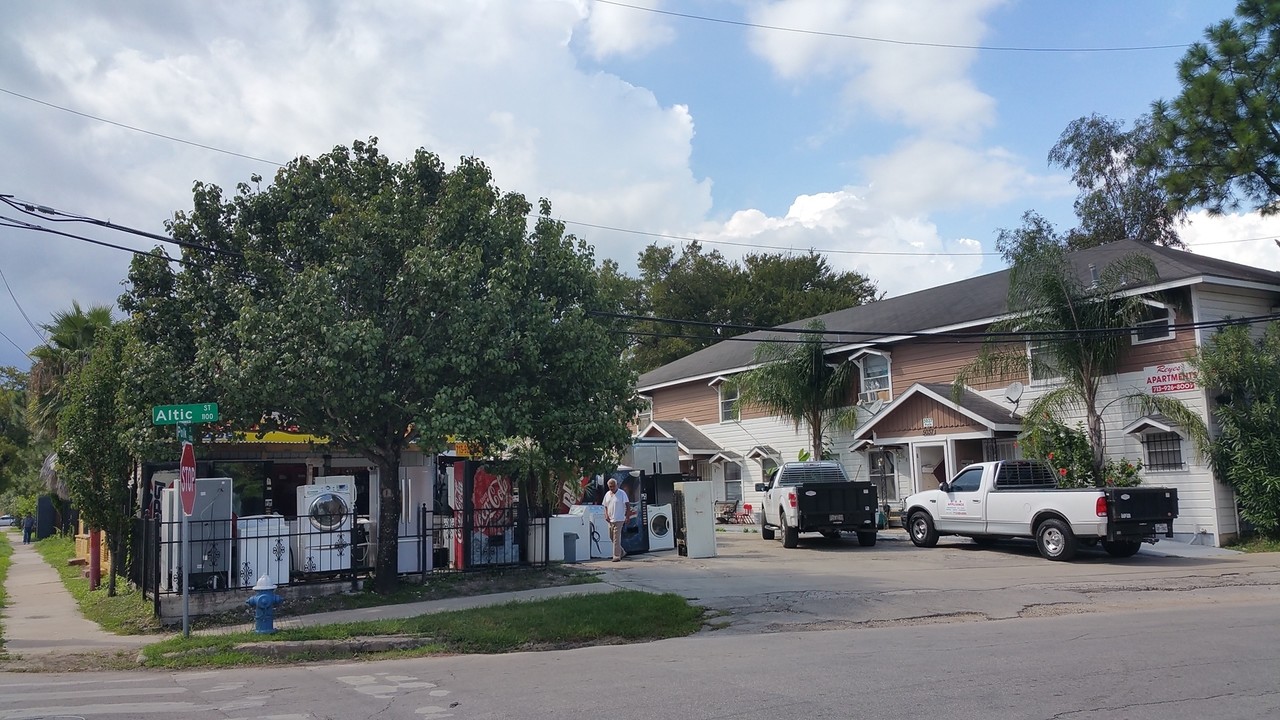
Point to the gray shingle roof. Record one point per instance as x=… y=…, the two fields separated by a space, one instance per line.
x=956 y=303
x=687 y=436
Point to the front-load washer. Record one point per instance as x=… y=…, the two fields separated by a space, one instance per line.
x=662 y=534
x=326 y=516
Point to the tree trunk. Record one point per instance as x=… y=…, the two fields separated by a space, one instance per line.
x=1096 y=443
x=815 y=428
x=386 y=576
x=114 y=538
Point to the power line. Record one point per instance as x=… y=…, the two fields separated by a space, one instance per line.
x=11 y=342
x=30 y=324
x=47 y=213
x=890 y=41
x=24 y=225
x=140 y=130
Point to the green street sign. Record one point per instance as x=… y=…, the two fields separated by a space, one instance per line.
x=181 y=414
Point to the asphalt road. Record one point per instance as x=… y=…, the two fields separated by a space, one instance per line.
x=1167 y=664
x=824 y=631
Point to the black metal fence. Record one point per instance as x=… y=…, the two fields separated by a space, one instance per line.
x=232 y=554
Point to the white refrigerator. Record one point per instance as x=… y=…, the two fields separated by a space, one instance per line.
x=694 y=509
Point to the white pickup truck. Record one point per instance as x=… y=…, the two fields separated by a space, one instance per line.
x=1020 y=499
x=817 y=497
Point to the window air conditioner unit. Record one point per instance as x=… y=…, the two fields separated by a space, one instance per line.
x=871 y=396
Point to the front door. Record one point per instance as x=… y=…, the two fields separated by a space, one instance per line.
x=960 y=509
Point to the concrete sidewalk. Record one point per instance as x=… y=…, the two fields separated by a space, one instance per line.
x=41 y=617
x=414 y=609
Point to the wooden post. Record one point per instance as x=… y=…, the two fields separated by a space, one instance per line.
x=95 y=559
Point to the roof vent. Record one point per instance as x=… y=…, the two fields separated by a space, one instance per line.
x=1093 y=273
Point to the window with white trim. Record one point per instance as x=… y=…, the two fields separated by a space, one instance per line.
x=1163 y=450
x=875 y=372
x=1043 y=365
x=732 y=482
x=728 y=403
x=645 y=416
x=1156 y=325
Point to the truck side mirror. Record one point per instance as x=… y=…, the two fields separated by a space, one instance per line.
x=944 y=486
x=762 y=487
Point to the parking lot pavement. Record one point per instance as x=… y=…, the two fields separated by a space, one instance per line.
x=761 y=586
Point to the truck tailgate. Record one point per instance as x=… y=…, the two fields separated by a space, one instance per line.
x=855 y=500
x=1141 y=510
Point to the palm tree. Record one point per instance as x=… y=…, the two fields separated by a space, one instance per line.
x=1080 y=331
x=796 y=381
x=66 y=349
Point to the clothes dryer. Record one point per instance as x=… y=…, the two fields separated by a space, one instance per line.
x=662 y=535
x=326 y=517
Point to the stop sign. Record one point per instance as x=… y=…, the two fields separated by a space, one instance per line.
x=187 y=478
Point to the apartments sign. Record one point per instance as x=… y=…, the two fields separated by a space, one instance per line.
x=1170 y=377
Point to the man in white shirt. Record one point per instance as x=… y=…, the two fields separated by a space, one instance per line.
x=615 y=513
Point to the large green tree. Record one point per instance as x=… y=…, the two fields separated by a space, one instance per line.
x=764 y=290
x=17 y=457
x=380 y=303
x=1223 y=130
x=1120 y=198
x=1081 y=328
x=1243 y=371
x=93 y=453
x=796 y=380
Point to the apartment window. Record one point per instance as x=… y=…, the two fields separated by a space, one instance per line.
x=645 y=416
x=875 y=372
x=728 y=403
x=732 y=482
x=1043 y=364
x=1163 y=450
x=1156 y=325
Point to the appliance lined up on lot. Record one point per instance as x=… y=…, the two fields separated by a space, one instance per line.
x=209 y=550
x=695 y=524
x=662 y=531
x=322 y=534
x=262 y=544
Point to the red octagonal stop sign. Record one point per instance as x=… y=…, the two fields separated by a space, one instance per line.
x=187 y=478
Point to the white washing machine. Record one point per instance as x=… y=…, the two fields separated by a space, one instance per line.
x=601 y=546
x=662 y=532
x=322 y=534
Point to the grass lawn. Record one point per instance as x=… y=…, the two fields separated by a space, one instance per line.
x=6 y=553
x=1256 y=544
x=619 y=617
x=128 y=613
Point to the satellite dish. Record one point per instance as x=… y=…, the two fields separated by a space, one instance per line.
x=1013 y=393
x=874 y=406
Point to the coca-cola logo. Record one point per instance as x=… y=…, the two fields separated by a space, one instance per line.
x=492 y=495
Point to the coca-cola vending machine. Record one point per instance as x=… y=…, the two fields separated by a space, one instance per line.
x=484 y=516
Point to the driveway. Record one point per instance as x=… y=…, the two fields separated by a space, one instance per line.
x=761 y=587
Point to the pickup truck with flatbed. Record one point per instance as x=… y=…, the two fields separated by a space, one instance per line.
x=817 y=497
x=990 y=501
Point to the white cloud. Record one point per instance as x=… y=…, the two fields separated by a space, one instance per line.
x=844 y=222
x=614 y=30
x=1246 y=238
x=925 y=88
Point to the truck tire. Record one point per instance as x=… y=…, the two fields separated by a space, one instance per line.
x=766 y=532
x=1121 y=548
x=867 y=538
x=790 y=535
x=920 y=528
x=1055 y=540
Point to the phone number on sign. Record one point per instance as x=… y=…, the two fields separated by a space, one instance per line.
x=1174 y=387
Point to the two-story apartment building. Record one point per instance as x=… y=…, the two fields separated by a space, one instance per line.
x=911 y=432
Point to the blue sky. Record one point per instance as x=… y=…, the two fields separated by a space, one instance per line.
x=742 y=136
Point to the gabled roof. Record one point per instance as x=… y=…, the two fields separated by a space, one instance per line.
x=971 y=405
x=958 y=304
x=688 y=438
